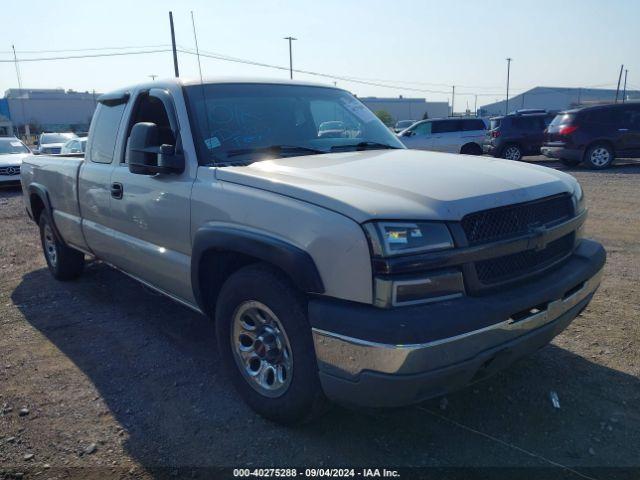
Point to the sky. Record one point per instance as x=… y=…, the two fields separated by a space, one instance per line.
x=414 y=48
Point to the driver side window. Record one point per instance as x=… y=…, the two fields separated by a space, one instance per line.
x=423 y=129
x=151 y=109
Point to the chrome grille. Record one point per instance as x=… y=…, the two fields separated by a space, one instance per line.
x=8 y=171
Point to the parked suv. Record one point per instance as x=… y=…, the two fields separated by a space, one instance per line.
x=452 y=135
x=516 y=135
x=595 y=135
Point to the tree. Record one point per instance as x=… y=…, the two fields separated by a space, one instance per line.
x=385 y=117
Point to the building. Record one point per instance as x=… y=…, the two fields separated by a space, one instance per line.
x=49 y=109
x=555 y=98
x=407 y=108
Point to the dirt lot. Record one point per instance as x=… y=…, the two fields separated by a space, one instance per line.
x=124 y=383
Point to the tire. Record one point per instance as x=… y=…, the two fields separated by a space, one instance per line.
x=263 y=335
x=471 y=149
x=512 y=152
x=64 y=263
x=570 y=162
x=599 y=156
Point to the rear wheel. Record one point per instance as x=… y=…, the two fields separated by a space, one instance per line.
x=512 y=152
x=266 y=346
x=599 y=156
x=471 y=149
x=64 y=263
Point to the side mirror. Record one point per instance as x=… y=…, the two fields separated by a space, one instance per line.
x=408 y=133
x=146 y=156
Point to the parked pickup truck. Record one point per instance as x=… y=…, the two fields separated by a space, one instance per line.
x=344 y=268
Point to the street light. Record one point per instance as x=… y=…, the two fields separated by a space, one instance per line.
x=290 y=56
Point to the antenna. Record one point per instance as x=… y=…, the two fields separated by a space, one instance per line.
x=204 y=97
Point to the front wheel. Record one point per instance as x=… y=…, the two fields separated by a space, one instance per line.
x=599 y=156
x=265 y=344
x=64 y=263
x=512 y=152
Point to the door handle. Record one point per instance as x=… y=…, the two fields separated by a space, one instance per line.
x=623 y=129
x=116 y=190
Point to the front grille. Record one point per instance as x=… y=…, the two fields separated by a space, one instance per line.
x=514 y=220
x=519 y=264
x=10 y=170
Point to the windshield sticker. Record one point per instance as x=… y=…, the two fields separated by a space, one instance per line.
x=358 y=109
x=212 y=143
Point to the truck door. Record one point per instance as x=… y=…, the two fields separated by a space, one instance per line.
x=94 y=190
x=150 y=214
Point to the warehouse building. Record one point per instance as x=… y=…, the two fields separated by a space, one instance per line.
x=407 y=108
x=52 y=110
x=554 y=99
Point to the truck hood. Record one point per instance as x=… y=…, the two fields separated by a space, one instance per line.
x=401 y=184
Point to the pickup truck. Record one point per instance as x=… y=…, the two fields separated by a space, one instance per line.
x=345 y=269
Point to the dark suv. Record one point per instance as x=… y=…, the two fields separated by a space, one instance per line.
x=517 y=134
x=594 y=135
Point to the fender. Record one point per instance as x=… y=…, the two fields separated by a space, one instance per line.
x=40 y=191
x=293 y=261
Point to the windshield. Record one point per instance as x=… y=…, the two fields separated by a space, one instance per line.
x=243 y=123
x=56 y=137
x=12 y=145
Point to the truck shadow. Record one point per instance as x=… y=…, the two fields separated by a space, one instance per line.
x=154 y=364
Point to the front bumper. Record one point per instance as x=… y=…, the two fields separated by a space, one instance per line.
x=437 y=348
x=9 y=180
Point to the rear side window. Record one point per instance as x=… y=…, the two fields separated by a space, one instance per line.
x=528 y=123
x=446 y=126
x=104 y=131
x=602 y=116
x=472 y=124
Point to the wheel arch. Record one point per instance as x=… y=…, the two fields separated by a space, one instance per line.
x=218 y=251
x=473 y=145
x=40 y=202
x=603 y=141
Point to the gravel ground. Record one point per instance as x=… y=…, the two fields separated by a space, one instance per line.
x=102 y=378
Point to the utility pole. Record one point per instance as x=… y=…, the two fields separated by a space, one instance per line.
x=153 y=77
x=290 y=56
x=453 y=98
x=475 y=106
x=24 y=116
x=619 y=79
x=624 y=89
x=173 y=46
x=506 y=106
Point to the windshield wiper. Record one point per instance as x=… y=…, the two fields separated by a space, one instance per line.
x=364 y=146
x=276 y=149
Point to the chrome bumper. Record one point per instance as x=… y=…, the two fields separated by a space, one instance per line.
x=347 y=357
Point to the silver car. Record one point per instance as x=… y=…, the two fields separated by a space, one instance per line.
x=12 y=152
x=451 y=135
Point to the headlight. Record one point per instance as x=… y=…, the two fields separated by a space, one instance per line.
x=578 y=199
x=398 y=238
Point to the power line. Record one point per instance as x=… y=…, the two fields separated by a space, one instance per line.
x=87 y=49
x=95 y=55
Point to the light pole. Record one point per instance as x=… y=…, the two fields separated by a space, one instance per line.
x=624 y=89
x=290 y=56
x=453 y=98
x=506 y=106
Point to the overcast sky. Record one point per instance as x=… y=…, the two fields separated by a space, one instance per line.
x=419 y=44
